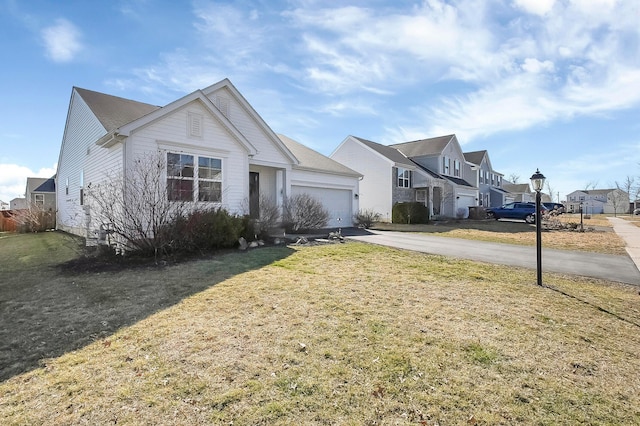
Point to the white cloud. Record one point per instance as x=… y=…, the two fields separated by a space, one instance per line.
x=536 y=7
x=13 y=179
x=62 y=41
x=535 y=66
x=509 y=70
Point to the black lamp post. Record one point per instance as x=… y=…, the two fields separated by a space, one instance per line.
x=537 y=180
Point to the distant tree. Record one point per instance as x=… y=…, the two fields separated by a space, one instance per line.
x=550 y=190
x=514 y=178
x=628 y=185
x=619 y=200
x=593 y=184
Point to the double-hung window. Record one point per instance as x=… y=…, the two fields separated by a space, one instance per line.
x=209 y=179
x=180 y=173
x=456 y=168
x=189 y=176
x=404 y=178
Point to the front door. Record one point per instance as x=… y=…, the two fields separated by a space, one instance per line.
x=254 y=195
x=437 y=200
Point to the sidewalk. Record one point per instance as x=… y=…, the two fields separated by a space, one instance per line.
x=630 y=233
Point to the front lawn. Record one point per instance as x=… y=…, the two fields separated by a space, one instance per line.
x=598 y=237
x=349 y=334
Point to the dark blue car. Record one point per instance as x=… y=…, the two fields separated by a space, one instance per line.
x=520 y=211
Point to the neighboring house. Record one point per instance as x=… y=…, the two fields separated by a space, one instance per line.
x=232 y=154
x=488 y=181
x=41 y=193
x=4 y=206
x=18 y=204
x=598 y=201
x=520 y=192
x=430 y=171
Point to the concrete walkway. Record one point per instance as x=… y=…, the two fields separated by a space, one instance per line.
x=630 y=233
x=605 y=266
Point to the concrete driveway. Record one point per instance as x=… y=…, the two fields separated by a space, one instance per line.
x=609 y=267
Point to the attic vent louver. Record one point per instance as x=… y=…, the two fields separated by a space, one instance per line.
x=223 y=105
x=194 y=125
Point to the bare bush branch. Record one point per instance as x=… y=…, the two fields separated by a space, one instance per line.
x=303 y=212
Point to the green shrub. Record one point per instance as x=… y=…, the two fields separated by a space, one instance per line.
x=413 y=212
x=203 y=230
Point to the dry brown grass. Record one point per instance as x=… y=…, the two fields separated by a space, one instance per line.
x=598 y=237
x=352 y=334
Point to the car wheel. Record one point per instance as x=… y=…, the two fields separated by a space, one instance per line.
x=530 y=218
x=491 y=215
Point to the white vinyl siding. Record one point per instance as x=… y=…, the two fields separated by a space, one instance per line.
x=168 y=135
x=377 y=182
x=268 y=153
x=79 y=152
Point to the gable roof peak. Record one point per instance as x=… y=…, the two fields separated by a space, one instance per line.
x=114 y=111
x=389 y=152
x=429 y=146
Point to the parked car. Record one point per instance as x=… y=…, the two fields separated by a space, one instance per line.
x=636 y=211
x=521 y=211
x=557 y=207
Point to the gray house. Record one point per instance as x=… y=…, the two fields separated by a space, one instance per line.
x=430 y=171
x=40 y=193
x=488 y=181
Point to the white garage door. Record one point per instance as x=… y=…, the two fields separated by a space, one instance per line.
x=336 y=201
x=464 y=202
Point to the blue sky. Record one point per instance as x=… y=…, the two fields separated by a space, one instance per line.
x=549 y=84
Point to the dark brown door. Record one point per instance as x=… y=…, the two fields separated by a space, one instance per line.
x=254 y=195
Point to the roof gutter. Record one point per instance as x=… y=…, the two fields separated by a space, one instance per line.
x=110 y=139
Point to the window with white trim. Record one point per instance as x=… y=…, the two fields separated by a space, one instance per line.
x=209 y=179
x=404 y=178
x=189 y=176
x=180 y=172
x=456 y=168
x=446 y=163
x=38 y=199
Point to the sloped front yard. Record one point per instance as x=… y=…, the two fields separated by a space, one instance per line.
x=335 y=334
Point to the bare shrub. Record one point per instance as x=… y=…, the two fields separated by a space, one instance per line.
x=366 y=218
x=134 y=209
x=302 y=212
x=34 y=219
x=269 y=216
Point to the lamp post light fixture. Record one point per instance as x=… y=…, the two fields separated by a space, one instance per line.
x=537 y=180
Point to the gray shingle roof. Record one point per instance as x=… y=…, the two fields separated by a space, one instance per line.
x=431 y=146
x=313 y=160
x=458 y=181
x=391 y=153
x=475 y=157
x=48 y=185
x=517 y=188
x=113 y=111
